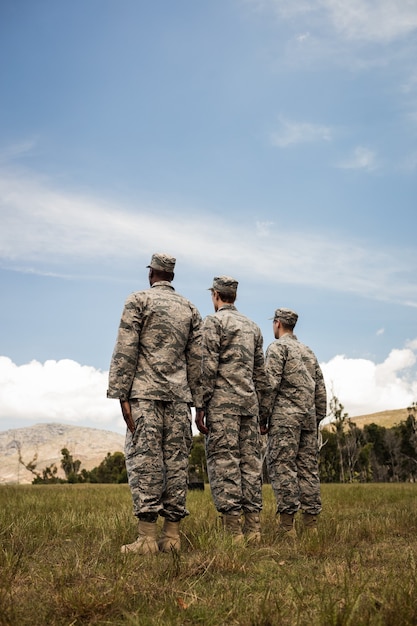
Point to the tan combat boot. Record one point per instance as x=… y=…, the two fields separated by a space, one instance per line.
x=252 y=527
x=170 y=537
x=310 y=523
x=231 y=524
x=286 y=527
x=146 y=541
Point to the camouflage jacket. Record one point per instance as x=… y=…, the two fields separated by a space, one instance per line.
x=157 y=355
x=233 y=366
x=296 y=380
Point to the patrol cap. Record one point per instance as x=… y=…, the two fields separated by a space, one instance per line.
x=162 y=262
x=286 y=316
x=224 y=284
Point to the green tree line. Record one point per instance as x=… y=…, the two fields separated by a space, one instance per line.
x=112 y=468
x=369 y=454
x=348 y=454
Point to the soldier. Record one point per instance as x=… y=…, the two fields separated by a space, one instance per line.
x=235 y=389
x=155 y=373
x=299 y=404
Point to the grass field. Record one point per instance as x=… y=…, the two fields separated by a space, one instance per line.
x=61 y=562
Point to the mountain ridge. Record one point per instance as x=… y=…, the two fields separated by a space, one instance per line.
x=45 y=441
x=91 y=445
x=388 y=419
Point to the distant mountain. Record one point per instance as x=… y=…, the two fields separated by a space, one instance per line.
x=388 y=419
x=89 y=445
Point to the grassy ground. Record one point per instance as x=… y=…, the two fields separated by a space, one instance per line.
x=60 y=562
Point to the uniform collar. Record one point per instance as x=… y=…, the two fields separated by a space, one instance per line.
x=289 y=336
x=163 y=283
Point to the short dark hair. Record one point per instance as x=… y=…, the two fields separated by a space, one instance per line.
x=286 y=326
x=162 y=275
x=227 y=297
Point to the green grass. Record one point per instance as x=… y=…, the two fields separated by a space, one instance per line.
x=60 y=562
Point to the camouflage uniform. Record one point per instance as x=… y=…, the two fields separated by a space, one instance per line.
x=156 y=366
x=234 y=389
x=300 y=403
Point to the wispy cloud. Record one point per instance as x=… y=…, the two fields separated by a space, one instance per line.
x=290 y=133
x=263 y=229
x=52 y=231
x=11 y=152
x=362 y=159
x=366 y=20
x=372 y=20
x=357 y=35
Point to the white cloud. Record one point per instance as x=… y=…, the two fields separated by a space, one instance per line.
x=263 y=229
x=372 y=20
x=364 y=387
x=364 y=20
x=361 y=159
x=291 y=133
x=17 y=150
x=56 y=391
x=55 y=232
x=356 y=34
x=69 y=393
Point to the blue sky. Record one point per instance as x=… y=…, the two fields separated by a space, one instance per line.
x=269 y=140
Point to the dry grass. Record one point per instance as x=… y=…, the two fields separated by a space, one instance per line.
x=387 y=419
x=61 y=563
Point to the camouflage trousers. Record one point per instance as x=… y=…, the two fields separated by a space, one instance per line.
x=157 y=457
x=234 y=463
x=292 y=459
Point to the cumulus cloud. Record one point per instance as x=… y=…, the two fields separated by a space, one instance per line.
x=364 y=387
x=56 y=391
x=412 y=344
x=67 y=392
x=48 y=230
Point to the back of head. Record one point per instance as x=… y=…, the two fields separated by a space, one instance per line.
x=287 y=317
x=226 y=287
x=162 y=262
x=163 y=266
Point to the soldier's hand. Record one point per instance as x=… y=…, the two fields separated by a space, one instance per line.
x=263 y=427
x=200 y=421
x=127 y=415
